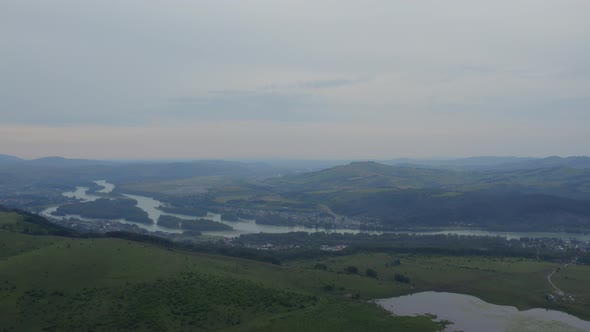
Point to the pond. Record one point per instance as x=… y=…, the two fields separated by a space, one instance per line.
x=471 y=314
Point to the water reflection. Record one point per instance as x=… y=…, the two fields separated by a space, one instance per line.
x=469 y=313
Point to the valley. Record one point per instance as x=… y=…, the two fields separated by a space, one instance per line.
x=312 y=250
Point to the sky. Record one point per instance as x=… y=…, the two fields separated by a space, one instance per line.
x=322 y=79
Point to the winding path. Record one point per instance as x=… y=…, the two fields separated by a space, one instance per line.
x=559 y=291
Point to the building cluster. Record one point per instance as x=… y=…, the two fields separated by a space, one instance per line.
x=311 y=219
x=556 y=244
x=104 y=226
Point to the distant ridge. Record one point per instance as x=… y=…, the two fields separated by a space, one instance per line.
x=581 y=162
x=495 y=163
x=65 y=162
x=470 y=162
x=5 y=157
x=52 y=161
x=483 y=163
x=368 y=174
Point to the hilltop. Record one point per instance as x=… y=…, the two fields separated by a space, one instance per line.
x=561 y=181
x=370 y=174
x=494 y=163
x=8 y=158
x=581 y=162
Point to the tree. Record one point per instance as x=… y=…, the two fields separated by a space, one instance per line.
x=352 y=270
x=371 y=273
x=401 y=278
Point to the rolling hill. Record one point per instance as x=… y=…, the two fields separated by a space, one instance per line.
x=8 y=158
x=541 y=199
x=64 y=282
x=562 y=181
x=48 y=174
x=580 y=162
x=424 y=208
x=494 y=163
x=369 y=174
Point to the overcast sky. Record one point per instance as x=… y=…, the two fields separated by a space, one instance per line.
x=304 y=79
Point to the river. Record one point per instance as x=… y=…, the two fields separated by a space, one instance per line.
x=471 y=314
x=150 y=205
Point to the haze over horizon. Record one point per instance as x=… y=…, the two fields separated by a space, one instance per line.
x=319 y=80
x=488 y=160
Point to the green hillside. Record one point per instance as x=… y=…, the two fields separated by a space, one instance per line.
x=370 y=175
x=51 y=283
x=561 y=181
x=57 y=283
x=545 y=199
x=104 y=208
x=438 y=208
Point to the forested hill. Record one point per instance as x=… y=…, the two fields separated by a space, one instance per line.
x=560 y=181
x=395 y=209
x=581 y=162
x=59 y=173
x=404 y=197
x=494 y=163
x=369 y=174
x=15 y=220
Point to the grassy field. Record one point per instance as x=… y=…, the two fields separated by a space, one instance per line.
x=50 y=283
x=196 y=185
x=102 y=284
x=14 y=222
x=574 y=280
x=506 y=281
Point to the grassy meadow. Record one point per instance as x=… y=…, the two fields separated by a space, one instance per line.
x=51 y=283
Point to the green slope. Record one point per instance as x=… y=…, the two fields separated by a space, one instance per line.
x=438 y=208
x=51 y=283
x=359 y=175
x=561 y=181
x=548 y=199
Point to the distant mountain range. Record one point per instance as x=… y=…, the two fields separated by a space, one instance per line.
x=495 y=163
x=7 y=158
x=60 y=173
x=471 y=163
x=52 y=161
x=549 y=162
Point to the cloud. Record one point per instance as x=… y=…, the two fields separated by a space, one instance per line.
x=319 y=84
x=409 y=63
x=256 y=139
x=243 y=105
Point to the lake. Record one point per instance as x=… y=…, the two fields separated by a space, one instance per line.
x=471 y=314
